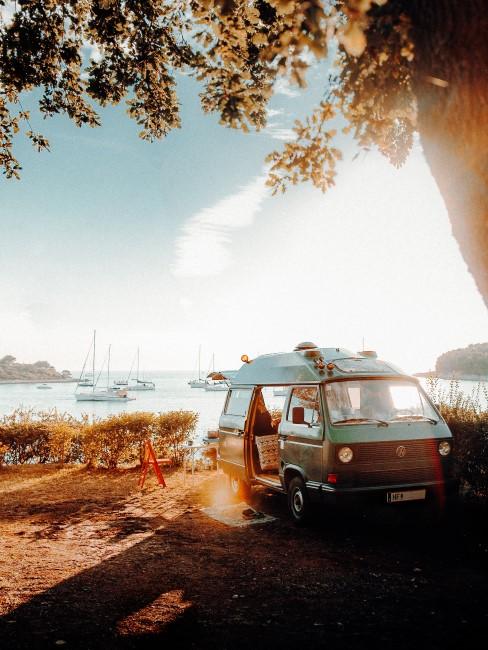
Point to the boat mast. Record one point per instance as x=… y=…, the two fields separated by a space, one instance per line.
x=108 y=367
x=131 y=368
x=93 y=375
x=199 y=352
x=137 y=365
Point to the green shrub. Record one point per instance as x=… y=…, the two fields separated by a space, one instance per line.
x=63 y=429
x=25 y=437
x=470 y=432
x=172 y=431
x=467 y=417
x=42 y=437
x=49 y=436
x=116 y=439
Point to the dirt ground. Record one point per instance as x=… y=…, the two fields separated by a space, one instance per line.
x=89 y=561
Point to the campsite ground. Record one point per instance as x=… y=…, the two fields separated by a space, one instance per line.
x=89 y=561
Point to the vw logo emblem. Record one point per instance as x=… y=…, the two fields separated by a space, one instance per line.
x=401 y=451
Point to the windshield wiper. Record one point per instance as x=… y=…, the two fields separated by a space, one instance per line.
x=383 y=423
x=424 y=418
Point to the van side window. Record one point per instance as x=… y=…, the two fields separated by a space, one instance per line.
x=238 y=401
x=308 y=398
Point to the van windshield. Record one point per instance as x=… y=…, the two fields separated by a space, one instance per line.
x=384 y=401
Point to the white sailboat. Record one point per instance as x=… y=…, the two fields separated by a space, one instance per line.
x=125 y=382
x=109 y=394
x=216 y=385
x=86 y=378
x=216 y=381
x=198 y=383
x=141 y=384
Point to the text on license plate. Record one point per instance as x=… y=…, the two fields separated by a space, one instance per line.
x=409 y=495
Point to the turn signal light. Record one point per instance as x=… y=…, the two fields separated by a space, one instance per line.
x=331 y=478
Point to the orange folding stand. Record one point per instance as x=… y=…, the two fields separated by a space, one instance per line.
x=150 y=460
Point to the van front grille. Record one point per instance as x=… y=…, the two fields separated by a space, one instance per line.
x=424 y=451
x=393 y=463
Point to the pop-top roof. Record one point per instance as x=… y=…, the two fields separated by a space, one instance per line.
x=309 y=366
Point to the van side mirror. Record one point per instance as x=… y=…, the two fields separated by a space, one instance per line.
x=298 y=415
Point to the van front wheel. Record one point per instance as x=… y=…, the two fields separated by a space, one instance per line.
x=299 y=501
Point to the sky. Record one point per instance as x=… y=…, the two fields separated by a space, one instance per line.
x=176 y=244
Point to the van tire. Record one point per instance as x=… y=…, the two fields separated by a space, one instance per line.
x=238 y=488
x=299 y=503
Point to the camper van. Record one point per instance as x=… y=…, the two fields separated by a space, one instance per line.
x=350 y=427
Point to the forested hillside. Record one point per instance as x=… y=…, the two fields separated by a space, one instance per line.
x=11 y=370
x=472 y=360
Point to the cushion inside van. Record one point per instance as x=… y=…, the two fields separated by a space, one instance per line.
x=268 y=451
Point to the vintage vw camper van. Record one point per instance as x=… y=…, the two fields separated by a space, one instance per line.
x=351 y=426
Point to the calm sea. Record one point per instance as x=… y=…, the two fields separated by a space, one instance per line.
x=172 y=393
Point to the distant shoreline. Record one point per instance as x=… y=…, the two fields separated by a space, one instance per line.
x=452 y=377
x=39 y=381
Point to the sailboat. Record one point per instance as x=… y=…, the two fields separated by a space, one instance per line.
x=218 y=381
x=198 y=383
x=125 y=382
x=86 y=378
x=101 y=395
x=141 y=384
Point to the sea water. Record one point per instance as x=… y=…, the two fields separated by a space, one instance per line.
x=172 y=393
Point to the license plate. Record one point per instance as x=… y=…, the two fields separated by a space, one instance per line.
x=410 y=495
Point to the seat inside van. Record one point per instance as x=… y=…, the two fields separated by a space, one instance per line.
x=264 y=440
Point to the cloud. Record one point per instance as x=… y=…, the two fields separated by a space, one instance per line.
x=274 y=112
x=280 y=133
x=282 y=87
x=277 y=129
x=203 y=246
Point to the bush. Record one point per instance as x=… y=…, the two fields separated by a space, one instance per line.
x=173 y=430
x=29 y=437
x=467 y=418
x=25 y=437
x=116 y=439
x=470 y=432
x=51 y=437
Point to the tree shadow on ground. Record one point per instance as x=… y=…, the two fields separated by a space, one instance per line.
x=63 y=499
x=203 y=585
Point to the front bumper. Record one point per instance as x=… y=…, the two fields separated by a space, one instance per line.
x=436 y=491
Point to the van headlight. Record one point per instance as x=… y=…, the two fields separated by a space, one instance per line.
x=444 y=448
x=345 y=454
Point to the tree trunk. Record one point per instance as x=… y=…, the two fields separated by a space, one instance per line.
x=451 y=86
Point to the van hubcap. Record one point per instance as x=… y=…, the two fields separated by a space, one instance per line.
x=298 y=501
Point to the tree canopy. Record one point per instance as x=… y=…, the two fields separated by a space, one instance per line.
x=472 y=360
x=400 y=66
